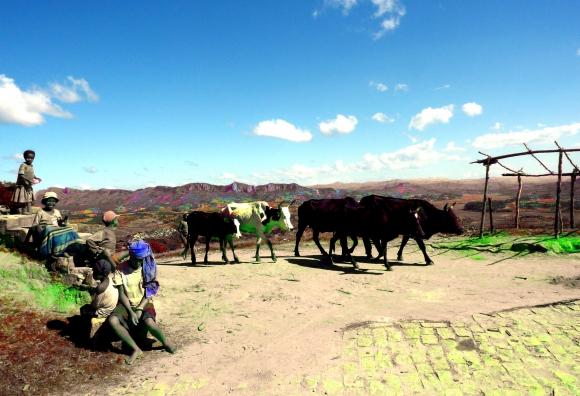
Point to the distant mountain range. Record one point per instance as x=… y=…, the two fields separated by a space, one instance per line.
x=207 y=196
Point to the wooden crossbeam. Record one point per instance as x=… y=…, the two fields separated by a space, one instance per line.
x=484 y=160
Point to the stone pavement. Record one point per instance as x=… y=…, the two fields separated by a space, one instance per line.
x=527 y=351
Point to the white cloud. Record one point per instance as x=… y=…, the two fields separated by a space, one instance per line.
x=227 y=176
x=456 y=158
x=496 y=127
x=70 y=94
x=83 y=186
x=451 y=147
x=413 y=138
x=16 y=156
x=542 y=125
x=57 y=185
x=393 y=10
x=472 y=109
x=578 y=52
x=431 y=116
x=191 y=163
x=282 y=130
x=540 y=136
x=26 y=107
x=340 y=124
x=402 y=87
x=379 y=86
x=415 y=156
x=90 y=169
x=446 y=86
x=346 y=5
x=381 y=117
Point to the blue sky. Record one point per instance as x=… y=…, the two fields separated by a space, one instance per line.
x=136 y=94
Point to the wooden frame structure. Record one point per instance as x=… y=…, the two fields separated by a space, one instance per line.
x=558 y=222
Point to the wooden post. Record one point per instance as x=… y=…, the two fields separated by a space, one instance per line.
x=518 y=201
x=572 y=182
x=490 y=215
x=558 y=193
x=484 y=199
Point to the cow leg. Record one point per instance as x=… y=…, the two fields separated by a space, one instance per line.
x=192 y=239
x=400 y=253
x=424 y=250
x=354 y=243
x=385 y=254
x=298 y=237
x=224 y=251
x=345 y=250
x=315 y=234
x=229 y=239
x=258 y=241
x=368 y=247
x=331 y=248
x=207 y=239
x=264 y=237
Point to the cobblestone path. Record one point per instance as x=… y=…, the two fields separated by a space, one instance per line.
x=528 y=351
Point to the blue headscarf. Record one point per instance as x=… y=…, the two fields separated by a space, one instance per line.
x=140 y=249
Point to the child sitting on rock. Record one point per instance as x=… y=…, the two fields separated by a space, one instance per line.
x=102 y=244
x=106 y=294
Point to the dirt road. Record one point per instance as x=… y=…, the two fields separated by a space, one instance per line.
x=253 y=328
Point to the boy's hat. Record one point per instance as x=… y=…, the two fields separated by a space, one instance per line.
x=49 y=194
x=109 y=216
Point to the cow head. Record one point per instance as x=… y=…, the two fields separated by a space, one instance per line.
x=279 y=216
x=450 y=222
x=233 y=227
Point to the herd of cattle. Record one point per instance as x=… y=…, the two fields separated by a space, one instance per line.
x=374 y=218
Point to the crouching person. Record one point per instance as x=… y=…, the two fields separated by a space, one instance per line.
x=135 y=314
x=106 y=294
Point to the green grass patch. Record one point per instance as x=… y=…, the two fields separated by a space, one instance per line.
x=503 y=241
x=28 y=280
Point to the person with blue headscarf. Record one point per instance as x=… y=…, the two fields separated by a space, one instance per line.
x=136 y=279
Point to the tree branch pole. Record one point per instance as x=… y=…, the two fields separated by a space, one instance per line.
x=518 y=202
x=490 y=215
x=484 y=160
x=558 y=193
x=484 y=198
x=572 y=182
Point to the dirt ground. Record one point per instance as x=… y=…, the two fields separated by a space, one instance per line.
x=248 y=328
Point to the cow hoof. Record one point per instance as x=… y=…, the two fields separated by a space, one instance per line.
x=430 y=262
x=227 y=261
x=296 y=254
x=205 y=262
x=258 y=260
x=400 y=257
x=389 y=269
x=237 y=260
x=375 y=258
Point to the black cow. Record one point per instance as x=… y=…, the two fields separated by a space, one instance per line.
x=211 y=225
x=373 y=222
x=321 y=216
x=432 y=220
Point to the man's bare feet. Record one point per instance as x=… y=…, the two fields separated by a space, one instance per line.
x=134 y=356
x=169 y=347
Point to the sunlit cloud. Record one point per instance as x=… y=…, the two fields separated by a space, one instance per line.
x=431 y=116
x=472 y=109
x=227 y=176
x=282 y=130
x=90 y=169
x=539 y=136
x=402 y=87
x=72 y=93
x=83 y=186
x=451 y=147
x=381 y=117
x=16 y=156
x=446 y=86
x=340 y=124
x=379 y=86
x=496 y=127
x=415 y=156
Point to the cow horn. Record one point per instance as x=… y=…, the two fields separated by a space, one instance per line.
x=445 y=208
x=292 y=203
x=451 y=207
x=280 y=204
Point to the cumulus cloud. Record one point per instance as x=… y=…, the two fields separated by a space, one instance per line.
x=446 y=86
x=72 y=93
x=90 y=169
x=415 y=156
x=227 y=175
x=379 y=86
x=15 y=156
x=451 y=147
x=57 y=185
x=83 y=186
x=472 y=109
x=381 y=117
x=496 y=127
x=402 y=87
x=340 y=124
x=539 y=136
x=26 y=107
x=282 y=130
x=432 y=116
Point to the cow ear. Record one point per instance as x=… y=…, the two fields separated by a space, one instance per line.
x=451 y=207
x=445 y=208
